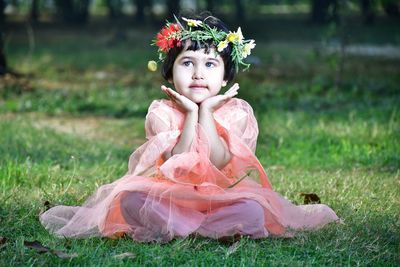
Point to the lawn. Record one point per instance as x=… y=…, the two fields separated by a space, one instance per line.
x=70 y=124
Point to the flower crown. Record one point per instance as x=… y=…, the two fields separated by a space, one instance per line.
x=172 y=35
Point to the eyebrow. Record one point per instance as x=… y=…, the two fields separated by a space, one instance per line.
x=207 y=59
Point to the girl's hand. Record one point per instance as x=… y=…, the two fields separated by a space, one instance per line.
x=217 y=101
x=182 y=101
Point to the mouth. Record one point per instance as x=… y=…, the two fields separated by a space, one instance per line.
x=197 y=87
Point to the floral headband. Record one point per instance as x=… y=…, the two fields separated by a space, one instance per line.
x=173 y=34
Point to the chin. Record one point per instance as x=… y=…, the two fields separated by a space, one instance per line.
x=198 y=100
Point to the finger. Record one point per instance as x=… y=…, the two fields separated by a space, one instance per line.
x=225 y=98
x=234 y=88
x=172 y=92
x=170 y=96
x=168 y=91
x=231 y=93
x=173 y=97
x=164 y=89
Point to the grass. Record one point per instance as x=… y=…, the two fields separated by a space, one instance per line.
x=71 y=125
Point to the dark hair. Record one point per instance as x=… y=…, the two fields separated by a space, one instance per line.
x=213 y=22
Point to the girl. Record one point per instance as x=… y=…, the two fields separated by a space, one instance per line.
x=197 y=172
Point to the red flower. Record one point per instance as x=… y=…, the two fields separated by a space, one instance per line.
x=167 y=38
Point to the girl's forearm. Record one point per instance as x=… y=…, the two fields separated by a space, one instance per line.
x=219 y=154
x=187 y=135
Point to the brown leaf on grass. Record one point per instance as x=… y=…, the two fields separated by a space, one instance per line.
x=38 y=247
x=311 y=198
x=124 y=256
x=47 y=205
x=229 y=240
x=3 y=241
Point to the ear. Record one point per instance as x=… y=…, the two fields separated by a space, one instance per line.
x=171 y=81
x=224 y=83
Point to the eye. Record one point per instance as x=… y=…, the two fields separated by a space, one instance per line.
x=187 y=63
x=210 y=64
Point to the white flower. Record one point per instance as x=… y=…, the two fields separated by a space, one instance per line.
x=240 y=35
x=192 y=22
x=247 y=48
x=222 y=45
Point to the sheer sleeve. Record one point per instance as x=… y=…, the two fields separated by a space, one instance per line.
x=162 y=117
x=237 y=117
x=162 y=131
x=238 y=126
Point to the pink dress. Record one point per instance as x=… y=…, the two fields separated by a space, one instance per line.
x=186 y=194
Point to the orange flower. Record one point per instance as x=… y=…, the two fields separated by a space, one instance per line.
x=168 y=37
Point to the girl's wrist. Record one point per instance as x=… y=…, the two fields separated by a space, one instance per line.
x=205 y=108
x=194 y=110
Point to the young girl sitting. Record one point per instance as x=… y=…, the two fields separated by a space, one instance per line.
x=197 y=173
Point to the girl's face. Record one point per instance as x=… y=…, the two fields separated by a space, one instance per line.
x=197 y=75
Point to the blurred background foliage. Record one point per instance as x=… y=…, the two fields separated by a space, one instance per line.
x=258 y=16
x=315 y=62
x=303 y=47
x=81 y=11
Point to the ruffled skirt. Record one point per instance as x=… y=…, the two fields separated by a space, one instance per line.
x=156 y=209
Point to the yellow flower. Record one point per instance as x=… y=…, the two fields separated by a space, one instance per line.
x=247 y=48
x=222 y=45
x=231 y=37
x=152 y=65
x=235 y=36
x=192 y=22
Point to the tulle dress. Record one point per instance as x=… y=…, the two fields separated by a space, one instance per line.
x=158 y=200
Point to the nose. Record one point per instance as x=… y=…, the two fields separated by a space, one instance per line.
x=197 y=73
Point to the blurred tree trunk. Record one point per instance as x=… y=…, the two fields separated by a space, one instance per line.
x=140 y=8
x=2 y=15
x=34 y=14
x=392 y=8
x=75 y=12
x=240 y=11
x=210 y=5
x=323 y=11
x=114 y=8
x=367 y=12
x=173 y=8
x=3 y=61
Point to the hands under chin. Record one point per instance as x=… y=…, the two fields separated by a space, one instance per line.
x=214 y=102
x=210 y=104
x=181 y=100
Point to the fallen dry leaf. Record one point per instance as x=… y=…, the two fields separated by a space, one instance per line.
x=3 y=241
x=311 y=198
x=37 y=246
x=47 y=205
